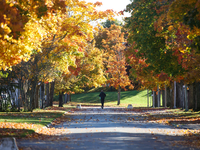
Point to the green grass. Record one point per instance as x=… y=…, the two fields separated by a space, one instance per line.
x=40 y=118
x=136 y=98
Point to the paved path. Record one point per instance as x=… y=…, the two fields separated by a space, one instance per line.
x=108 y=129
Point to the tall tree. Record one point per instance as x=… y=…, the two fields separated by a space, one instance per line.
x=114 y=48
x=55 y=40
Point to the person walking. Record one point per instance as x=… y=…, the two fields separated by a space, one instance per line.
x=102 y=95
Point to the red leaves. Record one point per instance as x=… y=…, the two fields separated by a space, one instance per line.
x=163 y=76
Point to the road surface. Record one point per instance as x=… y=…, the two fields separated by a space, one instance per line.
x=110 y=129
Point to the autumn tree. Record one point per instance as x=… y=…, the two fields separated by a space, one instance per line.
x=148 y=51
x=167 y=40
x=14 y=15
x=56 y=41
x=114 y=59
x=91 y=67
x=88 y=73
x=184 y=17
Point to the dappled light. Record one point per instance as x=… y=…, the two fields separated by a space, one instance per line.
x=78 y=127
x=137 y=98
x=74 y=77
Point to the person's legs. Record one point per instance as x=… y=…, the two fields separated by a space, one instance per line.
x=102 y=103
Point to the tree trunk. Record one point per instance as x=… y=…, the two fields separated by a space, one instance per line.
x=154 y=99
x=169 y=93
x=33 y=93
x=51 y=93
x=158 y=96
x=172 y=95
x=19 y=99
x=66 y=98
x=163 y=98
x=37 y=97
x=191 y=96
x=42 y=95
x=175 y=93
x=24 y=100
x=47 y=93
x=186 y=98
x=23 y=97
x=70 y=98
x=197 y=96
x=180 y=95
x=60 y=99
x=118 y=99
x=147 y=98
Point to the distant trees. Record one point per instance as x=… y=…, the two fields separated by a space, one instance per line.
x=111 y=40
x=108 y=23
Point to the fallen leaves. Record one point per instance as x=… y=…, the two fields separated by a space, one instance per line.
x=10 y=125
x=16 y=129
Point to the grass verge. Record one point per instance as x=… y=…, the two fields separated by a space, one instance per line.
x=20 y=124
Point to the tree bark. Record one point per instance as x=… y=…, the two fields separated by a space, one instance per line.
x=24 y=100
x=175 y=94
x=60 y=99
x=70 y=98
x=47 y=93
x=172 y=96
x=163 y=98
x=197 y=96
x=37 y=97
x=154 y=99
x=191 y=96
x=147 y=98
x=32 y=94
x=180 y=95
x=186 y=98
x=158 y=96
x=42 y=94
x=118 y=99
x=51 y=93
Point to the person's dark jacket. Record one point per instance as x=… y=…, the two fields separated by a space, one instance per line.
x=102 y=95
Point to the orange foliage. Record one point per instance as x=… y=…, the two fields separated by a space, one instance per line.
x=114 y=46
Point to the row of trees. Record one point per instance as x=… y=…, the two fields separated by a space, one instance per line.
x=49 y=47
x=48 y=43
x=52 y=43
x=164 y=38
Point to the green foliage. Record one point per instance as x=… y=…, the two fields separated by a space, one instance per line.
x=145 y=39
x=3 y=75
x=108 y=23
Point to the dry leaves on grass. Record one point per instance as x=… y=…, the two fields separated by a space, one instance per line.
x=11 y=125
x=21 y=129
x=16 y=129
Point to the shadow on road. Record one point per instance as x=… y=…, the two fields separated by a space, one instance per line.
x=107 y=141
